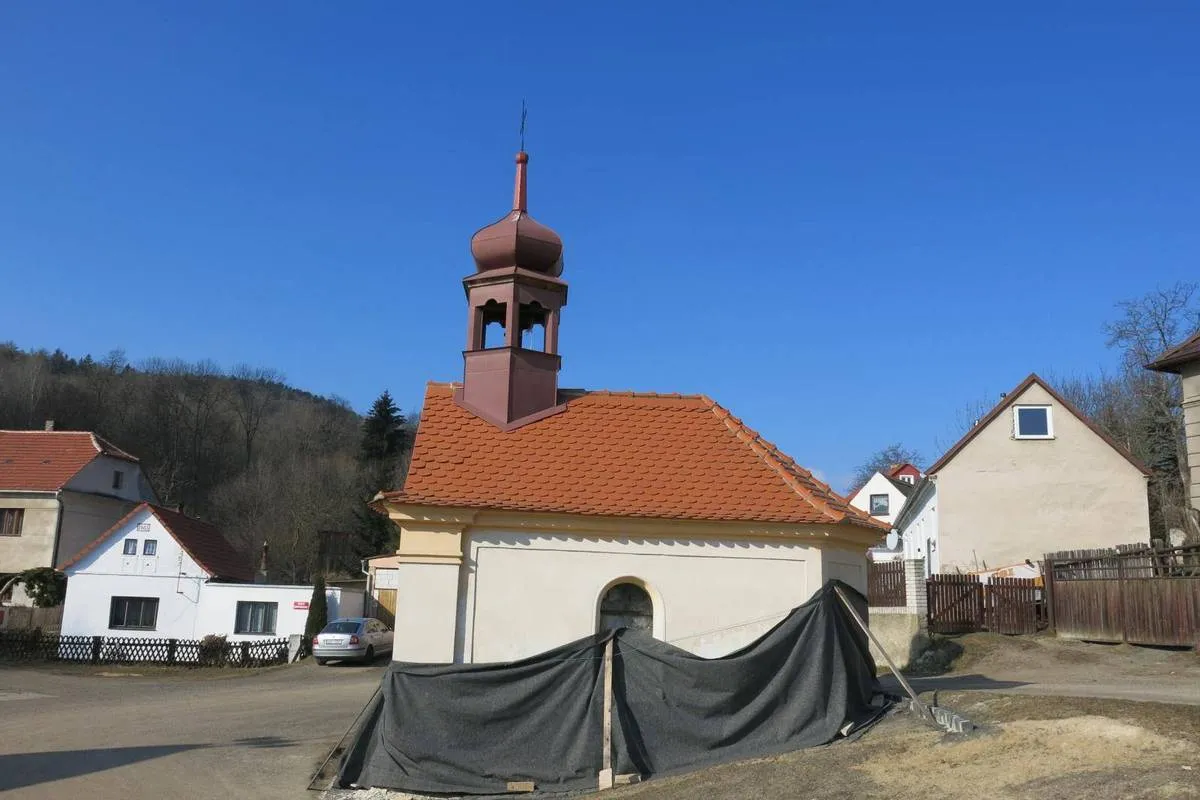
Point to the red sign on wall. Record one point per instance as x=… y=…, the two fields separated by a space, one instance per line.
x=300 y=605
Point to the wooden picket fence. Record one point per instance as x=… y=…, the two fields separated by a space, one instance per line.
x=885 y=584
x=32 y=646
x=964 y=604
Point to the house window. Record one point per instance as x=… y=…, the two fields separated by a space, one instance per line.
x=10 y=521
x=626 y=605
x=1032 y=422
x=150 y=547
x=255 y=617
x=879 y=505
x=138 y=613
x=906 y=478
x=118 y=479
x=131 y=547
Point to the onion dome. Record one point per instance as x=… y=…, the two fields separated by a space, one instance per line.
x=518 y=240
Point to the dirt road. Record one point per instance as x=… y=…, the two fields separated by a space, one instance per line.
x=1044 y=665
x=173 y=736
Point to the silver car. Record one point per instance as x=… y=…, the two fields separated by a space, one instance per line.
x=357 y=638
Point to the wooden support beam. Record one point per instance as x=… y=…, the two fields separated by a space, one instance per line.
x=605 y=778
x=920 y=707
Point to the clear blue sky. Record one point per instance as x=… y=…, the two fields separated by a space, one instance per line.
x=843 y=221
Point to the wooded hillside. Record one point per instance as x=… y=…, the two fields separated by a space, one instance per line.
x=261 y=459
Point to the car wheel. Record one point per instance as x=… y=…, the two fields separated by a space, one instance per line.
x=322 y=661
x=369 y=658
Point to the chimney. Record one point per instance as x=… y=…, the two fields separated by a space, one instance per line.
x=49 y=425
x=261 y=577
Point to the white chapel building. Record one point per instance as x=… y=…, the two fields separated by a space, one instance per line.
x=533 y=515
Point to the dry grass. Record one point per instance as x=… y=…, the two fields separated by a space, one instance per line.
x=1030 y=747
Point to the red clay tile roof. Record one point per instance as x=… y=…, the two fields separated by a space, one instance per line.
x=202 y=541
x=46 y=461
x=619 y=454
x=1009 y=400
x=1176 y=357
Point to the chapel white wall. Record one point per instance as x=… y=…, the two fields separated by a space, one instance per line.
x=527 y=592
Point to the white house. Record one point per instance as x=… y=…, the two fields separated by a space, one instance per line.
x=158 y=574
x=1034 y=475
x=59 y=490
x=883 y=497
x=917 y=526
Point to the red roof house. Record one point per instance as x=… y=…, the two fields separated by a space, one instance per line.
x=58 y=491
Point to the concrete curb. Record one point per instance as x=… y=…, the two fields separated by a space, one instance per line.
x=953 y=723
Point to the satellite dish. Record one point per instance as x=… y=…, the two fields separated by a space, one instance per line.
x=893 y=540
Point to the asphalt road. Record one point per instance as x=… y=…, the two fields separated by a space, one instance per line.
x=258 y=735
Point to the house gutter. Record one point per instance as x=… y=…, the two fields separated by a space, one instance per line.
x=62 y=508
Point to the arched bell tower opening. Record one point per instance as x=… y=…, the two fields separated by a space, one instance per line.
x=514 y=299
x=532 y=321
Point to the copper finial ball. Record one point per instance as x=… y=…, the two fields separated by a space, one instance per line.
x=522 y=157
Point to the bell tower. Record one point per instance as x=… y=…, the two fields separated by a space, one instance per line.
x=514 y=300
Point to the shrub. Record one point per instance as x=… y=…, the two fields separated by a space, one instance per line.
x=212 y=650
x=318 y=614
x=44 y=586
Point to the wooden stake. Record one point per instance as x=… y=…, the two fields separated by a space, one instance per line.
x=605 y=778
x=921 y=708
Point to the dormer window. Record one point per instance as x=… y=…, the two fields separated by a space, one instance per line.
x=1032 y=422
x=906 y=478
x=118 y=480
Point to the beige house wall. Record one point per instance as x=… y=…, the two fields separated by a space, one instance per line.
x=86 y=517
x=35 y=546
x=1002 y=500
x=1191 y=418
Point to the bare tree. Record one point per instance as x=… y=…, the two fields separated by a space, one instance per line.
x=1147 y=327
x=880 y=460
x=256 y=392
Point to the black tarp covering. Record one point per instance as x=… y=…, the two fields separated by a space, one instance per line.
x=472 y=728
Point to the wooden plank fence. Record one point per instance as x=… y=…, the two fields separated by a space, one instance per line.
x=1013 y=606
x=1131 y=593
x=885 y=584
x=212 y=652
x=955 y=603
x=964 y=604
